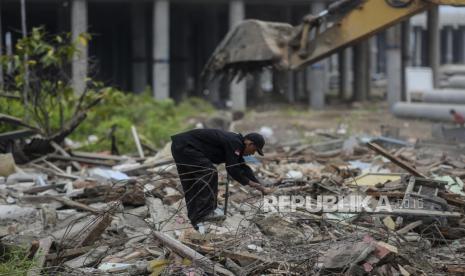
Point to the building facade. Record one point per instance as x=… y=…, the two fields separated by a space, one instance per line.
x=162 y=45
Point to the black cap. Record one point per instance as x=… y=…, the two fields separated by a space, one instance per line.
x=258 y=141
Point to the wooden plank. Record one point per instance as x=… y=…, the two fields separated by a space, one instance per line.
x=97 y=230
x=408 y=227
x=451 y=199
x=410 y=212
x=148 y=166
x=387 y=194
x=242 y=256
x=35 y=190
x=137 y=141
x=92 y=155
x=44 y=247
x=235 y=268
x=393 y=211
x=405 y=212
x=65 y=201
x=378 y=149
x=64 y=153
x=197 y=258
x=52 y=172
x=51 y=165
x=68 y=253
x=74 y=204
x=75 y=160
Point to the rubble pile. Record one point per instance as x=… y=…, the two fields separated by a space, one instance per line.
x=81 y=213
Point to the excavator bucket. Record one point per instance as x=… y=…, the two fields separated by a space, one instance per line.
x=248 y=47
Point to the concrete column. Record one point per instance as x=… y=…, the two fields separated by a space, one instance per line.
x=8 y=51
x=361 y=65
x=62 y=17
x=373 y=55
x=139 y=49
x=462 y=49
x=79 y=26
x=344 y=73
x=161 y=49
x=393 y=65
x=1 y=48
x=450 y=45
x=291 y=94
x=318 y=85
x=418 y=46
x=333 y=64
x=406 y=59
x=461 y=42
x=237 y=89
x=300 y=89
x=212 y=38
x=282 y=85
x=286 y=78
x=433 y=43
x=317 y=76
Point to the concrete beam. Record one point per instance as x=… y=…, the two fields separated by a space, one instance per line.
x=238 y=90
x=161 y=46
x=79 y=26
x=449 y=96
x=432 y=111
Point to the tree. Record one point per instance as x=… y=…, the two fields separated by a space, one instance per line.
x=50 y=104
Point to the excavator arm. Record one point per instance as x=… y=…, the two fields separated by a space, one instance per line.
x=253 y=44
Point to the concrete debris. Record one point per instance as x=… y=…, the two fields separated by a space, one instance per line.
x=278 y=227
x=9 y=213
x=105 y=174
x=26 y=177
x=132 y=220
x=89 y=258
x=431 y=111
x=342 y=256
x=295 y=175
x=7 y=164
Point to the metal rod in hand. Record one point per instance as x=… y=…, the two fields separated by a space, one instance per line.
x=226 y=196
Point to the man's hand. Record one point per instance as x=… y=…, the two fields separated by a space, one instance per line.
x=262 y=189
x=267 y=191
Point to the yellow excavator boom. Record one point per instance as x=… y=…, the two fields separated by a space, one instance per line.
x=253 y=44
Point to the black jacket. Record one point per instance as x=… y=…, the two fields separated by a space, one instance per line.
x=219 y=147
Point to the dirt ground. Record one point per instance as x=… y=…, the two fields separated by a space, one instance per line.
x=296 y=123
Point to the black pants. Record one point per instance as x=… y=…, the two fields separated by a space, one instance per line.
x=199 y=179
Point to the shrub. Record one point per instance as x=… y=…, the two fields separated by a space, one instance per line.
x=155 y=120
